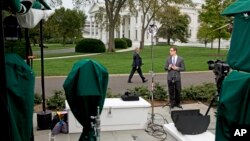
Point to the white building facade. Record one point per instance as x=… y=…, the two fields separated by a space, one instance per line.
x=131 y=25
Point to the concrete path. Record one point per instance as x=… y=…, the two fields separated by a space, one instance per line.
x=118 y=83
x=162 y=116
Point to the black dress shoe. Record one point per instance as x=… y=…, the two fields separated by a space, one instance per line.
x=179 y=106
x=145 y=80
x=129 y=81
x=171 y=106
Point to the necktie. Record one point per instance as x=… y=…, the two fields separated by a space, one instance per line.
x=173 y=61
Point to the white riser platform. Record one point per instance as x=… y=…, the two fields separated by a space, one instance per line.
x=116 y=115
x=174 y=135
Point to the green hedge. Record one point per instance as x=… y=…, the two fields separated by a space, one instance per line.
x=89 y=45
x=18 y=47
x=203 y=92
x=128 y=41
x=120 y=43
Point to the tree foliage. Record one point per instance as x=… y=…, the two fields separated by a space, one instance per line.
x=174 y=25
x=55 y=3
x=210 y=17
x=65 y=24
x=150 y=8
x=204 y=35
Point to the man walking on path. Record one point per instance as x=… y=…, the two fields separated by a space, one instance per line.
x=174 y=65
x=136 y=66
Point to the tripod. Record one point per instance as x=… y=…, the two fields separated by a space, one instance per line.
x=218 y=80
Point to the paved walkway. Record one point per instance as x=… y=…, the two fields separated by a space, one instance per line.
x=118 y=83
x=162 y=116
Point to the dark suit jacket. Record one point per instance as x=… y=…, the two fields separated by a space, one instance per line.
x=175 y=74
x=137 y=61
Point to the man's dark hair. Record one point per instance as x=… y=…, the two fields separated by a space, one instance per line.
x=174 y=48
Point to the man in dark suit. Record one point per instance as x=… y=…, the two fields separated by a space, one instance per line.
x=136 y=66
x=174 y=65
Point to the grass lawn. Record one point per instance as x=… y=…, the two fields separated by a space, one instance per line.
x=120 y=62
x=53 y=46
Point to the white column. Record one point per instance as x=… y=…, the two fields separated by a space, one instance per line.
x=94 y=28
x=126 y=27
x=121 y=28
x=90 y=27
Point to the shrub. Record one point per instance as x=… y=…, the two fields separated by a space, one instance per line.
x=57 y=101
x=128 y=41
x=110 y=94
x=120 y=43
x=141 y=91
x=18 y=47
x=159 y=92
x=203 y=92
x=37 y=98
x=89 y=45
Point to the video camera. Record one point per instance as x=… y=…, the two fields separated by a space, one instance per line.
x=220 y=69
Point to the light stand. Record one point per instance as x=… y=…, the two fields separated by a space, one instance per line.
x=152 y=30
x=43 y=117
x=5 y=125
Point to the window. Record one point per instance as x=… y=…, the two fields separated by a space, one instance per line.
x=136 y=35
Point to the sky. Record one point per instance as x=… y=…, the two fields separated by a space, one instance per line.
x=68 y=3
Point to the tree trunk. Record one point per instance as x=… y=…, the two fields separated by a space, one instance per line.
x=111 y=44
x=142 y=39
x=168 y=41
x=142 y=34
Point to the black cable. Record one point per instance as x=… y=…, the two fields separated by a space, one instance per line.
x=157 y=130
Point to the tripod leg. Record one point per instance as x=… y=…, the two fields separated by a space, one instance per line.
x=211 y=103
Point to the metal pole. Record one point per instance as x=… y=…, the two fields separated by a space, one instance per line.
x=42 y=64
x=98 y=124
x=152 y=31
x=152 y=79
x=27 y=41
x=5 y=125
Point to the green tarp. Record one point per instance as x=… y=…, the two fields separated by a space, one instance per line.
x=85 y=89
x=239 y=6
x=17 y=5
x=239 y=52
x=234 y=104
x=20 y=96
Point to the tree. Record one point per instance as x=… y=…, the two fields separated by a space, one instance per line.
x=66 y=23
x=204 y=34
x=113 y=8
x=150 y=8
x=174 y=25
x=55 y=3
x=211 y=15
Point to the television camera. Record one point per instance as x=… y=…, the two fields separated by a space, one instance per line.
x=221 y=70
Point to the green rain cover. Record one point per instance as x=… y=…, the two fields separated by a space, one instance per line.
x=239 y=52
x=234 y=104
x=85 y=89
x=20 y=95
